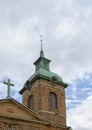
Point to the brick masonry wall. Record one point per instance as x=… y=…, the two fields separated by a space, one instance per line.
x=20 y=125
x=40 y=90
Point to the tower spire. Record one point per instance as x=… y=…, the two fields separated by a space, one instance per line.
x=41 y=52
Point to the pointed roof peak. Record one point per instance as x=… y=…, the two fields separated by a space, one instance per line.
x=41 y=52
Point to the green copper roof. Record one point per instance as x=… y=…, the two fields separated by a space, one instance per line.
x=42 y=71
x=45 y=74
x=42 y=68
x=42 y=62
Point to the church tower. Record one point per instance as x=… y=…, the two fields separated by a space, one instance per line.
x=44 y=92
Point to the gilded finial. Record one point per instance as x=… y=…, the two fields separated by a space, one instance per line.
x=41 y=52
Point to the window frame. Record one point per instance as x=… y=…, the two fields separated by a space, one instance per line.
x=52 y=99
x=31 y=102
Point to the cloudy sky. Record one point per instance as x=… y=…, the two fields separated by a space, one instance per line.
x=66 y=26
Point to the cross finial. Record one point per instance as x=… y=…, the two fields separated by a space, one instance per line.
x=8 y=83
x=41 y=52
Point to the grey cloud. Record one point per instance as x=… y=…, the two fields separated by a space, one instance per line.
x=81 y=118
x=64 y=24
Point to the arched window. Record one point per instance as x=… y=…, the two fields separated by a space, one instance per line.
x=31 y=102
x=53 y=100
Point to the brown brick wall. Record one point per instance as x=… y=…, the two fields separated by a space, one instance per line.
x=40 y=90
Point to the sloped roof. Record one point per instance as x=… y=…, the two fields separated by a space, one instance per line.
x=42 y=71
x=9 y=111
x=16 y=110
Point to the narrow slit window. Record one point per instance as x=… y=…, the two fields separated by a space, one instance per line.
x=53 y=100
x=31 y=102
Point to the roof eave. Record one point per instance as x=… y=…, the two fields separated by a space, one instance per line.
x=40 y=59
x=44 y=77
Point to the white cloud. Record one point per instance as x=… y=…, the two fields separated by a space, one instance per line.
x=67 y=37
x=80 y=118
